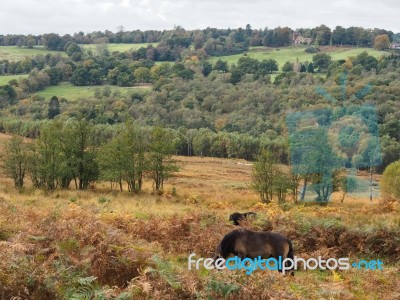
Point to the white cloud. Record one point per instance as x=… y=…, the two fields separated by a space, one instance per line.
x=66 y=16
x=126 y=3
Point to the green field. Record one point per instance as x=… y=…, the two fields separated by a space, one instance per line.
x=16 y=53
x=118 y=47
x=71 y=92
x=6 y=78
x=281 y=55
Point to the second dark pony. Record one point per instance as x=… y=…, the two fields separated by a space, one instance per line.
x=236 y=217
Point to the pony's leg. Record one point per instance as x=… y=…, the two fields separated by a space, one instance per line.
x=283 y=255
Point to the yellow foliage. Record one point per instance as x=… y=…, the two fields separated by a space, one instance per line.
x=348 y=64
x=260 y=206
x=218 y=205
x=336 y=276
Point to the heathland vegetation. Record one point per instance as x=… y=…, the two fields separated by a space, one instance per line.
x=124 y=152
x=76 y=244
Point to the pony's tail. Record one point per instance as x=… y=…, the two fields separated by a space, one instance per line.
x=290 y=255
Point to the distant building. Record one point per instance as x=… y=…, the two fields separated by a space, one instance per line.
x=298 y=39
x=395 y=46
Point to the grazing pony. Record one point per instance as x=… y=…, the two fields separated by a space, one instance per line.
x=252 y=244
x=236 y=217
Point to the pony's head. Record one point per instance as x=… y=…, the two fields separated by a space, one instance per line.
x=218 y=253
x=235 y=218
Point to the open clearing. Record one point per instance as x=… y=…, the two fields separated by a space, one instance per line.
x=282 y=55
x=71 y=92
x=6 y=78
x=118 y=47
x=14 y=53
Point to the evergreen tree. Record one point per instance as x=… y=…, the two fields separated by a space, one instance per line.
x=310 y=68
x=54 y=108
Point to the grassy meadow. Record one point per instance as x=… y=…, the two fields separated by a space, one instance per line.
x=6 y=78
x=282 y=55
x=118 y=47
x=72 y=244
x=14 y=53
x=72 y=93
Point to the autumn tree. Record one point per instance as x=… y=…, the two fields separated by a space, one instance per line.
x=390 y=182
x=382 y=42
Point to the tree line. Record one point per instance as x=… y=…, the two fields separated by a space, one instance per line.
x=69 y=152
x=272 y=180
x=210 y=41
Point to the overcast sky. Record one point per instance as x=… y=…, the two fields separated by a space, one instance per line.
x=70 y=16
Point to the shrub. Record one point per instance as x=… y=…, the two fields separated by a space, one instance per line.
x=222 y=288
x=312 y=50
x=390 y=182
x=173 y=192
x=103 y=200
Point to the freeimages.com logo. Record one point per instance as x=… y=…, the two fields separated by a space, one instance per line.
x=287 y=264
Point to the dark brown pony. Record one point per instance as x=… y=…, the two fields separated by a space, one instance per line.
x=246 y=243
x=236 y=217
